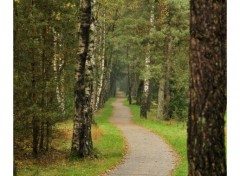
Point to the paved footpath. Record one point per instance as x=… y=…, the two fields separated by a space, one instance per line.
x=147 y=155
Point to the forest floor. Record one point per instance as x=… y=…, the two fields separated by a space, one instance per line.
x=147 y=154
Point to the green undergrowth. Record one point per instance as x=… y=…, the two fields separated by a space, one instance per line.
x=108 y=143
x=174 y=133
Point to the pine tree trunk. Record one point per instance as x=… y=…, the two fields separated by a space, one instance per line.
x=41 y=145
x=206 y=149
x=129 y=82
x=48 y=135
x=139 y=92
x=82 y=139
x=129 y=87
x=35 y=119
x=149 y=98
x=167 y=89
x=160 y=108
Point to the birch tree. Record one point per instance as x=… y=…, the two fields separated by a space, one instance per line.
x=146 y=83
x=82 y=140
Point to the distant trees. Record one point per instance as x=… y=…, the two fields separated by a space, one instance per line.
x=206 y=145
x=155 y=36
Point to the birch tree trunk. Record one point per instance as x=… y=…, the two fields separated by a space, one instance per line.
x=206 y=145
x=58 y=65
x=82 y=139
x=101 y=82
x=146 y=86
x=92 y=50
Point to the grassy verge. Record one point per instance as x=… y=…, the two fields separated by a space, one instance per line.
x=175 y=133
x=108 y=147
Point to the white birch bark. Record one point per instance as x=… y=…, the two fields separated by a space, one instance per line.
x=58 y=64
x=146 y=86
x=102 y=62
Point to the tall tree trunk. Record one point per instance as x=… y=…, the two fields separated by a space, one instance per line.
x=102 y=41
x=48 y=135
x=167 y=89
x=149 y=98
x=139 y=92
x=58 y=67
x=41 y=145
x=92 y=52
x=35 y=119
x=143 y=110
x=160 y=108
x=146 y=86
x=206 y=149
x=129 y=81
x=82 y=139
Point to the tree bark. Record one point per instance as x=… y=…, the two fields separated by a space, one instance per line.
x=129 y=81
x=82 y=139
x=146 y=88
x=48 y=135
x=206 y=145
x=139 y=92
x=102 y=63
x=35 y=119
x=160 y=108
x=167 y=89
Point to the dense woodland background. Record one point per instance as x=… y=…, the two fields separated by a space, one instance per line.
x=128 y=34
x=139 y=47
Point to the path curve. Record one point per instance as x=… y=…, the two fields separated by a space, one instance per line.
x=148 y=154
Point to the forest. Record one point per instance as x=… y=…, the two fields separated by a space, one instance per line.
x=81 y=66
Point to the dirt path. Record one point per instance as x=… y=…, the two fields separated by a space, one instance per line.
x=148 y=154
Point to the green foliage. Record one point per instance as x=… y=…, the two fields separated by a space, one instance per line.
x=133 y=30
x=44 y=48
x=108 y=150
x=175 y=133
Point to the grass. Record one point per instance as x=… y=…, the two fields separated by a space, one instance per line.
x=108 y=143
x=174 y=133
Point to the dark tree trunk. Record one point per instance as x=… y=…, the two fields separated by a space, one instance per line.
x=113 y=86
x=206 y=149
x=129 y=82
x=41 y=144
x=139 y=92
x=48 y=135
x=143 y=110
x=149 y=98
x=82 y=139
x=167 y=89
x=129 y=86
x=35 y=119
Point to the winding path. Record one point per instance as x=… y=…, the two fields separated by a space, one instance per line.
x=148 y=154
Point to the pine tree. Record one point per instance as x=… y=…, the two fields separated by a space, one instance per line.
x=206 y=148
